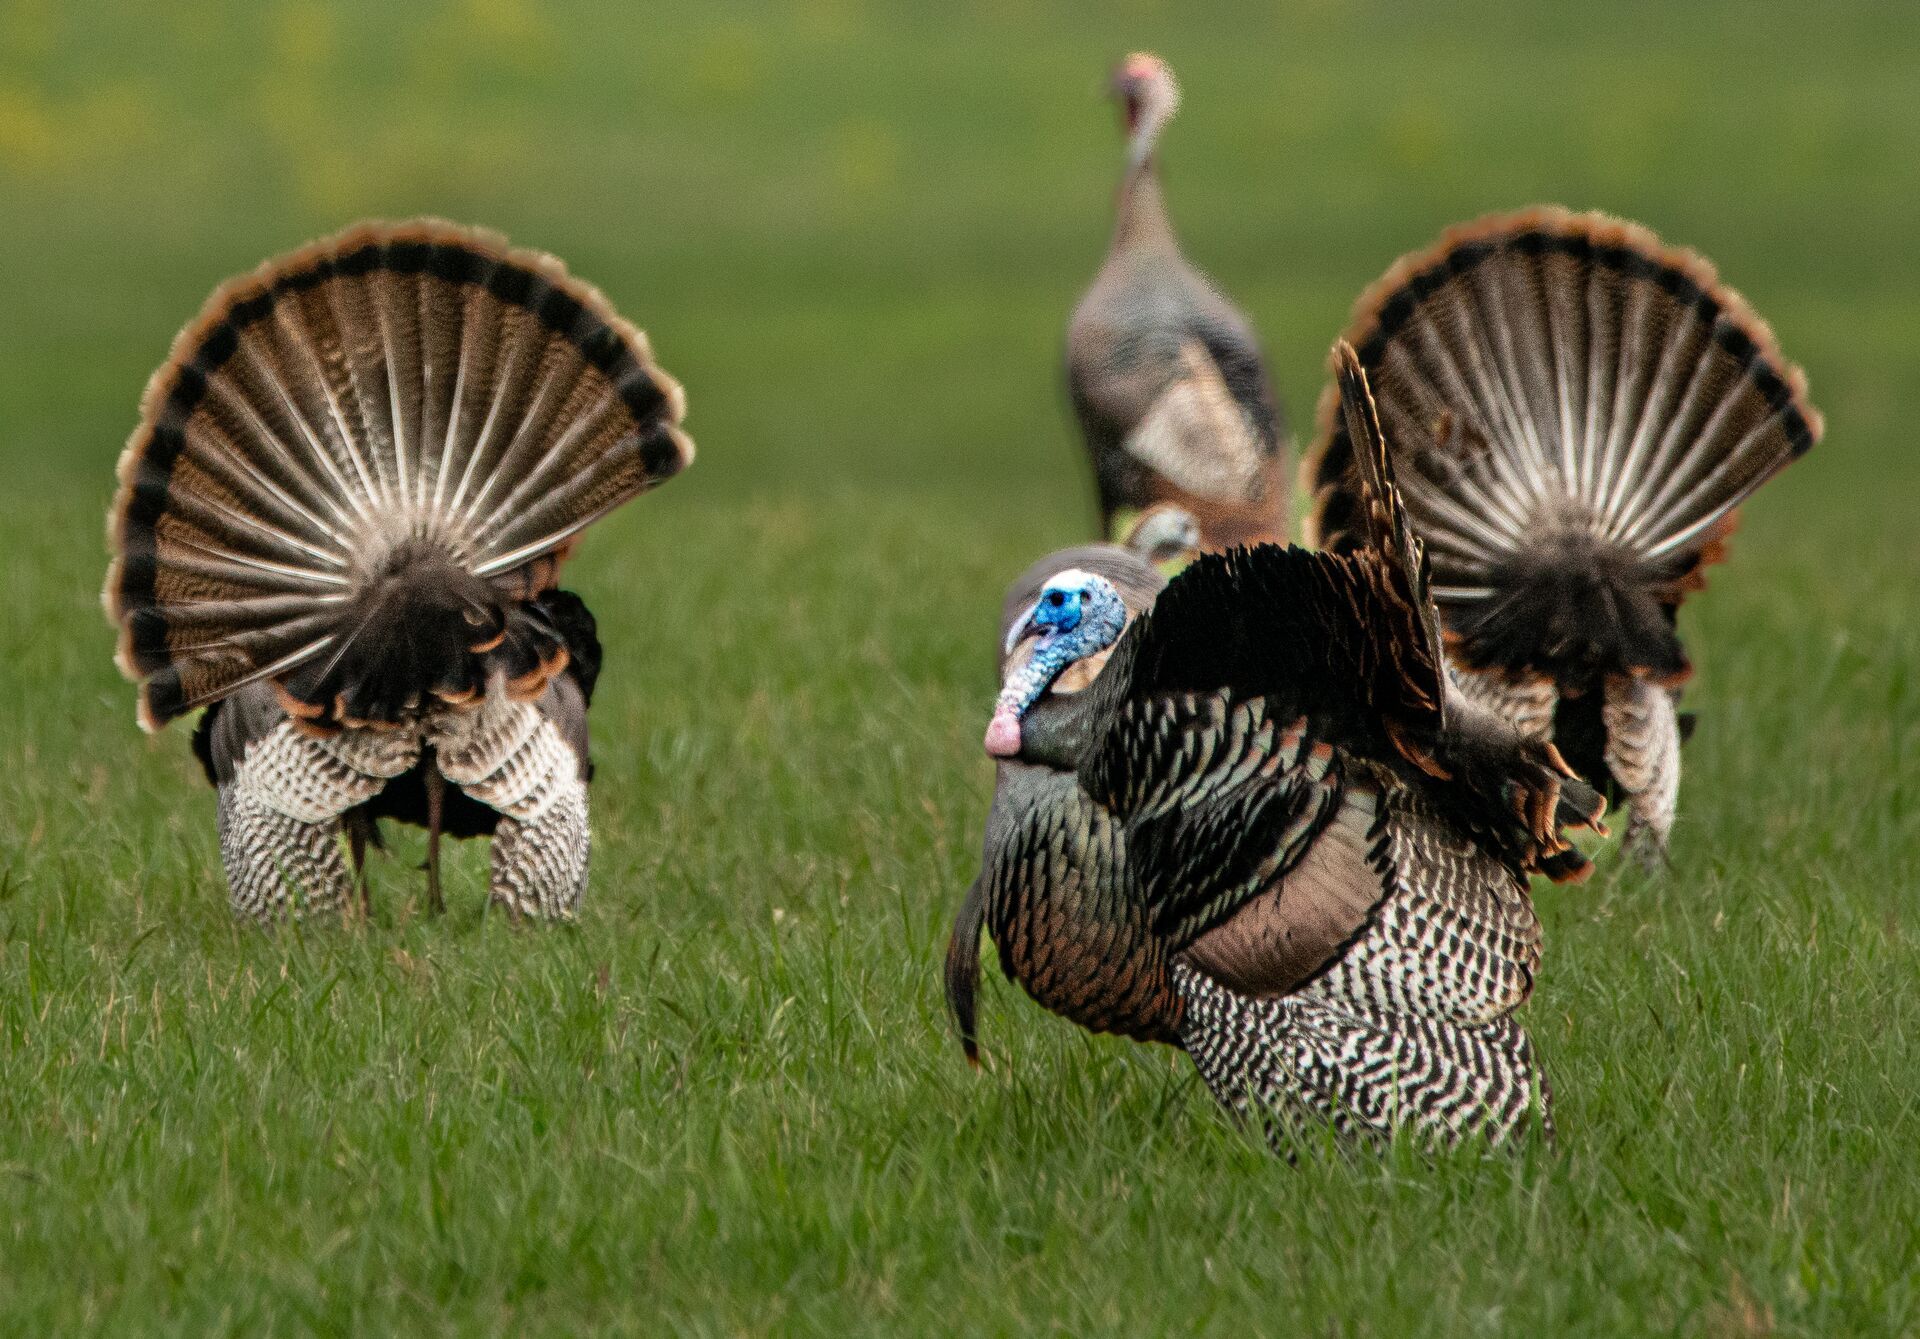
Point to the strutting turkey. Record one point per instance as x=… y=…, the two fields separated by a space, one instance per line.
x=339 y=528
x=1166 y=377
x=1264 y=830
x=1576 y=411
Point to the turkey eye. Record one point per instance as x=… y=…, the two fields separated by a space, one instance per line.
x=1056 y=599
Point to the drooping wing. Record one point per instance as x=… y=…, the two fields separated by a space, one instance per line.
x=1264 y=870
x=1252 y=721
x=1199 y=435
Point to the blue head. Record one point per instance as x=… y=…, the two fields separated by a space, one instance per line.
x=1077 y=615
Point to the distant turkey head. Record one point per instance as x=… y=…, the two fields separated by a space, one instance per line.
x=1166 y=535
x=1148 y=97
x=1078 y=614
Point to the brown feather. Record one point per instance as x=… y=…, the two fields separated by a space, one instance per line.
x=383 y=406
x=1277 y=941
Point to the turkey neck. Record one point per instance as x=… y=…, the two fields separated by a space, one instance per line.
x=1142 y=224
x=1059 y=731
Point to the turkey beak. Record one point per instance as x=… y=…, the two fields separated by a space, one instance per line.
x=1124 y=89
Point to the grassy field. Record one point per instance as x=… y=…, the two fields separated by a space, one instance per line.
x=727 y=1102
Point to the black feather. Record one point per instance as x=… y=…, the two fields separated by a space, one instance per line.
x=568 y=614
x=1573 y=607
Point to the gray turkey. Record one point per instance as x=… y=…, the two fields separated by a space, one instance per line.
x=1168 y=385
x=1241 y=814
x=339 y=529
x=1576 y=411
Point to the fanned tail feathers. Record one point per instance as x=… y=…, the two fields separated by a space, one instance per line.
x=1576 y=411
x=360 y=463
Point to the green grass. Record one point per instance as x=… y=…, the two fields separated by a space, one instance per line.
x=727 y=1101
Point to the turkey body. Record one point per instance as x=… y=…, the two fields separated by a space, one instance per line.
x=229 y=728
x=1369 y=979
x=339 y=531
x=1174 y=404
x=1577 y=412
x=1265 y=832
x=1166 y=377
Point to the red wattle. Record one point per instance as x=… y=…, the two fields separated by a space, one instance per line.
x=1003 y=735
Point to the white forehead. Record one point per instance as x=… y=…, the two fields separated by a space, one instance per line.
x=1071 y=580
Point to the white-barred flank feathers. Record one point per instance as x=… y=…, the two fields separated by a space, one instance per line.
x=516 y=759
x=280 y=810
x=1455 y=938
x=1642 y=752
x=398 y=406
x=1412 y=1026
x=1296 y=1062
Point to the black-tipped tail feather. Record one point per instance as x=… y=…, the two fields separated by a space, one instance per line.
x=357 y=446
x=1577 y=411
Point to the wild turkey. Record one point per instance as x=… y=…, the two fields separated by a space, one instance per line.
x=1264 y=832
x=1576 y=411
x=339 y=527
x=1167 y=381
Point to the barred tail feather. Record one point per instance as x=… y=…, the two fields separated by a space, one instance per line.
x=1576 y=411
x=1380 y=505
x=395 y=432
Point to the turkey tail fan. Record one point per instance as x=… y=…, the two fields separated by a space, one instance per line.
x=1576 y=411
x=361 y=464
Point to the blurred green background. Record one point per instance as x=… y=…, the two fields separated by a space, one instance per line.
x=855 y=229
x=727 y=1102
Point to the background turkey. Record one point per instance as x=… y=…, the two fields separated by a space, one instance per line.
x=1167 y=381
x=1576 y=412
x=339 y=527
x=1262 y=831
x=1166 y=535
